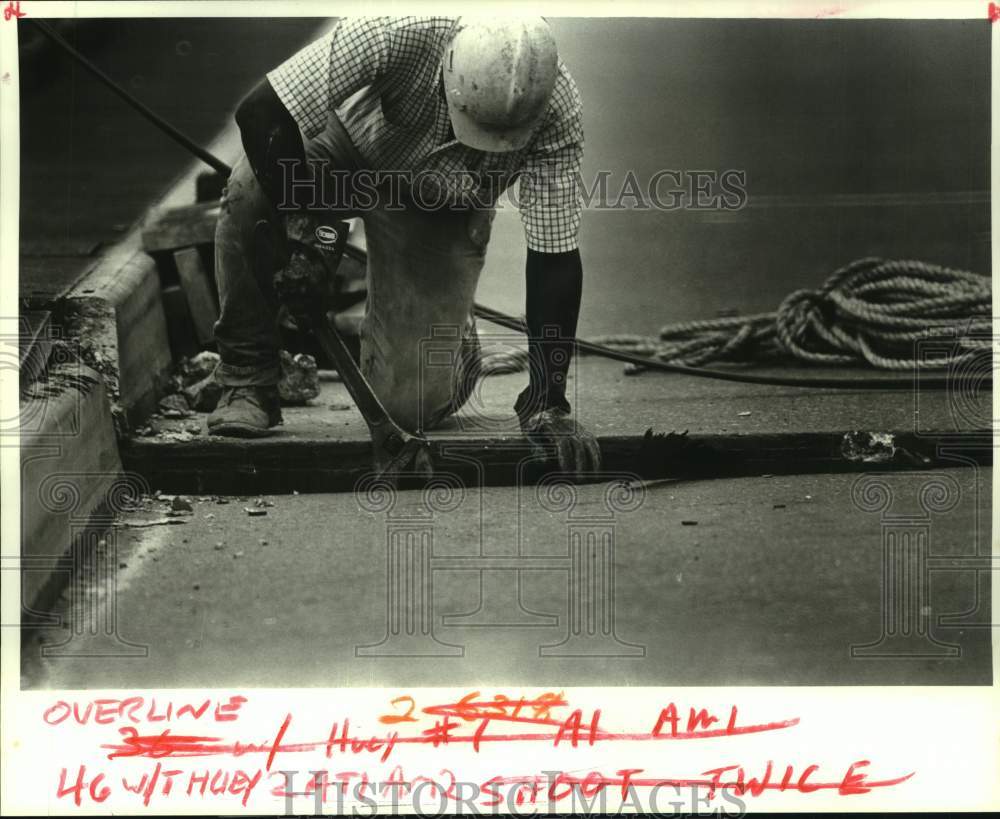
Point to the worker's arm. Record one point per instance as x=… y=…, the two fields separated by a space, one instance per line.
x=296 y=99
x=553 y=286
x=269 y=134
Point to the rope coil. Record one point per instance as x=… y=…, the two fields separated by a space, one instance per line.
x=872 y=311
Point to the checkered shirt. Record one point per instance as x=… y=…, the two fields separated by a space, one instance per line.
x=381 y=76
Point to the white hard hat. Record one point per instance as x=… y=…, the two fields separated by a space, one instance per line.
x=498 y=77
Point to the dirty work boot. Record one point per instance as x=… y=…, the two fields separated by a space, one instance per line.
x=246 y=412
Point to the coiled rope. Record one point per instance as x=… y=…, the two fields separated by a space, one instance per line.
x=871 y=311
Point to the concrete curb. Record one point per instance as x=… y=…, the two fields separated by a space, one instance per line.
x=117 y=362
x=117 y=310
x=69 y=461
x=117 y=316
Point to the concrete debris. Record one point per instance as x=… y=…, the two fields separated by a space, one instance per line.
x=254 y=511
x=176 y=435
x=198 y=367
x=203 y=395
x=175 y=406
x=744 y=414
x=181 y=504
x=299 y=378
x=868 y=447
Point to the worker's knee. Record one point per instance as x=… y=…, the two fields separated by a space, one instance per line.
x=421 y=378
x=242 y=191
x=242 y=206
x=417 y=405
x=241 y=256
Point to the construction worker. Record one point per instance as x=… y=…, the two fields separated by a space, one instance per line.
x=454 y=110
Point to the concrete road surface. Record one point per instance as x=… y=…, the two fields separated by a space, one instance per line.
x=761 y=581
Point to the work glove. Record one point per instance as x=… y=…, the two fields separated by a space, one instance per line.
x=555 y=433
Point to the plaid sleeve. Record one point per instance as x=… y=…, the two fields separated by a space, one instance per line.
x=325 y=73
x=549 y=195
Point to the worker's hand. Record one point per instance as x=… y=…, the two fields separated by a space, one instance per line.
x=556 y=430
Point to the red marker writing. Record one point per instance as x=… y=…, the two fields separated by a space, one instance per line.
x=14 y=9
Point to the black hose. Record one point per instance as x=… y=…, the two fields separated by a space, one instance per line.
x=936 y=382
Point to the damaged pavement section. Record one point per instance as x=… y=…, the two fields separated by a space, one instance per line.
x=651 y=426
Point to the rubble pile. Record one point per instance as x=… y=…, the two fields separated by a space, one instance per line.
x=193 y=390
x=299 y=378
